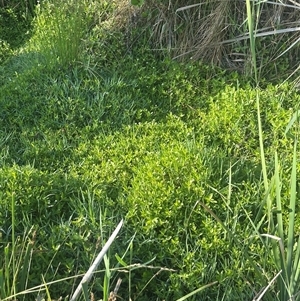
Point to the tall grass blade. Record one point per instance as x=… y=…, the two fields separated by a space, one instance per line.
x=130 y=274
x=280 y=259
x=13 y=240
x=197 y=291
x=85 y=291
x=47 y=290
x=258 y=298
x=252 y=33
x=261 y=146
x=7 y=282
x=294 y=118
x=278 y=199
x=292 y=214
x=246 y=36
x=296 y=267
x=107 y=276
x=2 y=284
x=252 y=38
x=25 y=262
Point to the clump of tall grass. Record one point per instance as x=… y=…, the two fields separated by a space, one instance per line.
x=216 y=32
x=275 y=223
x=59 y=29
x=281 y=230
x=16 y=259
x=14 y=272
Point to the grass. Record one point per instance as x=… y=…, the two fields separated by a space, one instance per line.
x=286 y=256
x=87 y=277
x=59 y=31
x=217 y=32
x=101 y=134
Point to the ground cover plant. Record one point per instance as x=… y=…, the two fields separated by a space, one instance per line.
x=109 y=132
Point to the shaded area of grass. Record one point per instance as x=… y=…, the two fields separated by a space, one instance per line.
x=15 y=26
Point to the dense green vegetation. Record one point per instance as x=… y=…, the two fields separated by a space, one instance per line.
x=93 y=130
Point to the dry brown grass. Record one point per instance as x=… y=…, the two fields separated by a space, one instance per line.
x=197 y=29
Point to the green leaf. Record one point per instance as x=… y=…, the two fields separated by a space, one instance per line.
x=197 y=291
x=137 y=2
x=120 y=260
x=294 y=118
x=85 y=291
